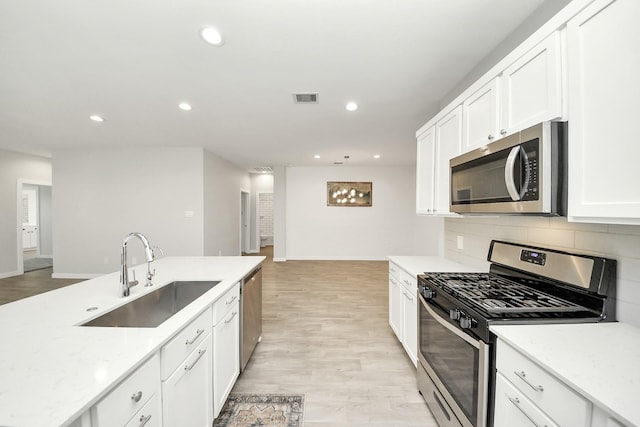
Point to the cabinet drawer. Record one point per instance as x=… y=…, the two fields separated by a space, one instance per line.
x=150 y=415
x=394 y=271
x=174 y=352
x=122 y=403
x=409 y=282
x=513 y=408
x=223 y=305
x=552 y=396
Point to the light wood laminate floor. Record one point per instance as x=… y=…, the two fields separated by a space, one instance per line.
x=326 y=334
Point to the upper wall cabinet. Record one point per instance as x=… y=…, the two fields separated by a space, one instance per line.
x=532 y=87
x=527 y=92
x=436 y=146
x=425 y=171
x=481 y=116
x=603 y=66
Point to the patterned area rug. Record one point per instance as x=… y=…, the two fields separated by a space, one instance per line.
x=258 y=410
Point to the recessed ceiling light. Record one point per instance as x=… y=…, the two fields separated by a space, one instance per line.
x=211 y=36
x=317 y=156
x=376 y=156
x=96 y=118
x=351 y=106
x=184 y=106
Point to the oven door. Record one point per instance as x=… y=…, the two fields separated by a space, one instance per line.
x=455 y=364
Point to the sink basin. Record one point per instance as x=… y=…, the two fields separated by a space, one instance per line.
x=154 y=308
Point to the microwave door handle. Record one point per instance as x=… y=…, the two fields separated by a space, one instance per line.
x=509 y=169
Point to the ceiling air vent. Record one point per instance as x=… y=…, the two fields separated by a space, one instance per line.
x=263 y=169
x=305 y=98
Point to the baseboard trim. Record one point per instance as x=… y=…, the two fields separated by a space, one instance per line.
x=9 y=274
x=279 y=259
x=75 y=276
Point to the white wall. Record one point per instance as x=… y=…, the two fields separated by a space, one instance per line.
x=621 y=243
x=222 y=184
x=13 y=167
x=101 y=195
x=45 y=226
x=390 y=227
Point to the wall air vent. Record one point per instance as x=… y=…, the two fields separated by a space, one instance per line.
x=305 y=98
x=263 y=169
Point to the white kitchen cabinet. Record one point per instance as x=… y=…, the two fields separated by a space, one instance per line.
x=600 y=418
x=527 y=92
x=481 y=116
x=529 y=389
x=149 y=415
x=226 y=346
x=187 y=394
x=128 y=398
x=448 y=145
x=403 y=309
x=395 y=305
x=425 y=171
x=603 y=64
x=531 y=88
x=436 y=146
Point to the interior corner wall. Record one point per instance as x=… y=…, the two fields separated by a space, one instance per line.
x=45 y=223
x=102 y=194
x=389 y=227
x=223 y=182
x=259 y=183
x=15 y=166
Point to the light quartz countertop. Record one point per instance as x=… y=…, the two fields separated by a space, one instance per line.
x=600 y=361
x=419 y=264
x=52 y=371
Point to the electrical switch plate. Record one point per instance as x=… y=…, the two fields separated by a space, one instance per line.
x=188 y=214
x=460 y=242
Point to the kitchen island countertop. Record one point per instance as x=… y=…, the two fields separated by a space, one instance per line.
x=52 y=370
x=600 y=361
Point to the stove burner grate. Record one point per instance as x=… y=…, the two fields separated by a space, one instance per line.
x=498 y=295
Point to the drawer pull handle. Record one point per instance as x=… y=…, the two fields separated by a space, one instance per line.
x=523 y=377
x=198 y=333
x=144 y=420
x=235 y=297
x=516 y=403
x=136 y=396
x=231 y=318
x=200 y=353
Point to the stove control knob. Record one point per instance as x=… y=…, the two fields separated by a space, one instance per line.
x=428 y=293
x=467 y=322
x=454 y=314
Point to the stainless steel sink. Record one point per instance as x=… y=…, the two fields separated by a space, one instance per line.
x=154 y=308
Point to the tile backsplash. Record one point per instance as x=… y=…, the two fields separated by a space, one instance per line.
x=620 y=242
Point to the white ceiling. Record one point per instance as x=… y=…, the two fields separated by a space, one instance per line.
x=133 y=61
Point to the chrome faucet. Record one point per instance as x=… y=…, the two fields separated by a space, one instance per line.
x=124 y=270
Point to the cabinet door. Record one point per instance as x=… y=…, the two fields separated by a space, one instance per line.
x=150 y=415
x=187 y=396
x=481 y=118
x=532 y=87
x=425 y=171
x=513 y=409
x=603 y=84
x=410 y=324
x=448 y=145
x=395 y=306
x=226 y=357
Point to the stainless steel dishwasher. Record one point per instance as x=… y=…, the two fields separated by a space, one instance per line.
x=250 y=315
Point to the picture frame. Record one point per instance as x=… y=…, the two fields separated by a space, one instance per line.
x=349 y=194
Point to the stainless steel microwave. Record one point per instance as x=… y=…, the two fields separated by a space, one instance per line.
x=523 y=173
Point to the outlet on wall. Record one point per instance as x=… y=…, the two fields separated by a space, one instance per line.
x=460 y=242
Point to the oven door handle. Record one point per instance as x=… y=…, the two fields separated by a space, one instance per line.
x=449 y=326
x=509 y=170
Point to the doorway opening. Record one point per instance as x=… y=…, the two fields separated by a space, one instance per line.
x=35 y=232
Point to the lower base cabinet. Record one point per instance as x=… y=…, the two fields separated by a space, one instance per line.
x=226 y=356
x=187 y=393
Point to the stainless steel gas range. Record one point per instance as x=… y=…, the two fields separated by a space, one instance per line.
x=525 y=285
